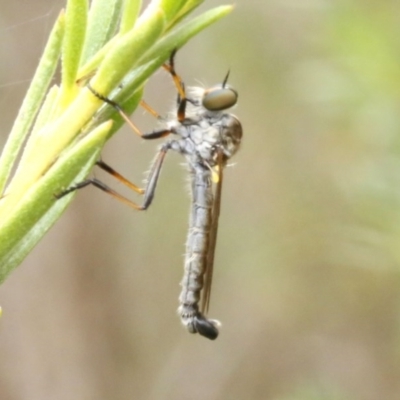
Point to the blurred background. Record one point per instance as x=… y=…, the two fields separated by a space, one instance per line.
x=306 y=279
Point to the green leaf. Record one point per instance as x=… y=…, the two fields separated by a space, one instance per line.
x=188 y=7
x=38 y=209
x=102 y=24
x=172 y=7
x=129 y=15
x=33 y=99
x=75 y=31
x=177 y=37
x=128 y=50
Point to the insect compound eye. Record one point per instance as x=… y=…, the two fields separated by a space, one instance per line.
x=219 y=98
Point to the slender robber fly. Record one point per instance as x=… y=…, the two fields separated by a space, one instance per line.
x=208 y=137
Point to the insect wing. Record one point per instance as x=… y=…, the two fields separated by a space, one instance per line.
x=205 y=301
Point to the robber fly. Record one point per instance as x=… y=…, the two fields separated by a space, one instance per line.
x=208 y=137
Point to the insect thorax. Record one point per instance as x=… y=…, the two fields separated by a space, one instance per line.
x=203 y=134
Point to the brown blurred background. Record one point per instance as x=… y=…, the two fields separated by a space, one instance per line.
x=307 y=278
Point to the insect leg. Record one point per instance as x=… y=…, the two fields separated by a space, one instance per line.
x=154 y=175
x=102 y=186
x=151 y=110
x=148 y=191
x=116 y=106
x=118 y=176
x=182 y=99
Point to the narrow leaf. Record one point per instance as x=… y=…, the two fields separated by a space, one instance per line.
x=39 y=209
x=75 y=31
x=103 y=20
x=129 y=15
x=32 y=101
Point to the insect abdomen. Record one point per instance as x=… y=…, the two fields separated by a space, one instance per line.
x=196 y=255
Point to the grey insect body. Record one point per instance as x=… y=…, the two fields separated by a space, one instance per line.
x=207 y=140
